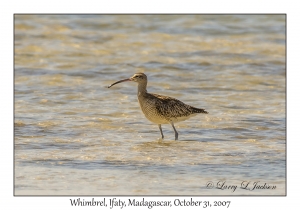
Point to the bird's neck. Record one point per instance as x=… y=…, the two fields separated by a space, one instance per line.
x=142 y=89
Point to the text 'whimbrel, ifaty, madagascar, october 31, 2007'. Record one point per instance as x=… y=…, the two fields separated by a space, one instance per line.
x=161 y=109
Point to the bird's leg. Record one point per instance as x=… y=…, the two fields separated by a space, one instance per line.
x=162 y=135
x=176 y=134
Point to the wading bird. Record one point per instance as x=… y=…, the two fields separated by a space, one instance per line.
x=161 y=109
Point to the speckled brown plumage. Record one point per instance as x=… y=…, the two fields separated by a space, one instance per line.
x=161 y=109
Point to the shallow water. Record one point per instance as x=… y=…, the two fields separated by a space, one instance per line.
x=73 y=136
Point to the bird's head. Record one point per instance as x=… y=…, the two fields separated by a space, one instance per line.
x=137 y=77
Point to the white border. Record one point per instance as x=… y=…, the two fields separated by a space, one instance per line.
x=187 y=6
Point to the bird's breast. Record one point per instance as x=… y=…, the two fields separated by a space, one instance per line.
x=149 y=109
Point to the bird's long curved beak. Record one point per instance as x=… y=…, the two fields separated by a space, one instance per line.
x=123 y=80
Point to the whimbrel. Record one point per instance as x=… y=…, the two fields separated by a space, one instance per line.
x=161 y=109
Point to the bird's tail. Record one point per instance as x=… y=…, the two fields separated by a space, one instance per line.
x=197 y=110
